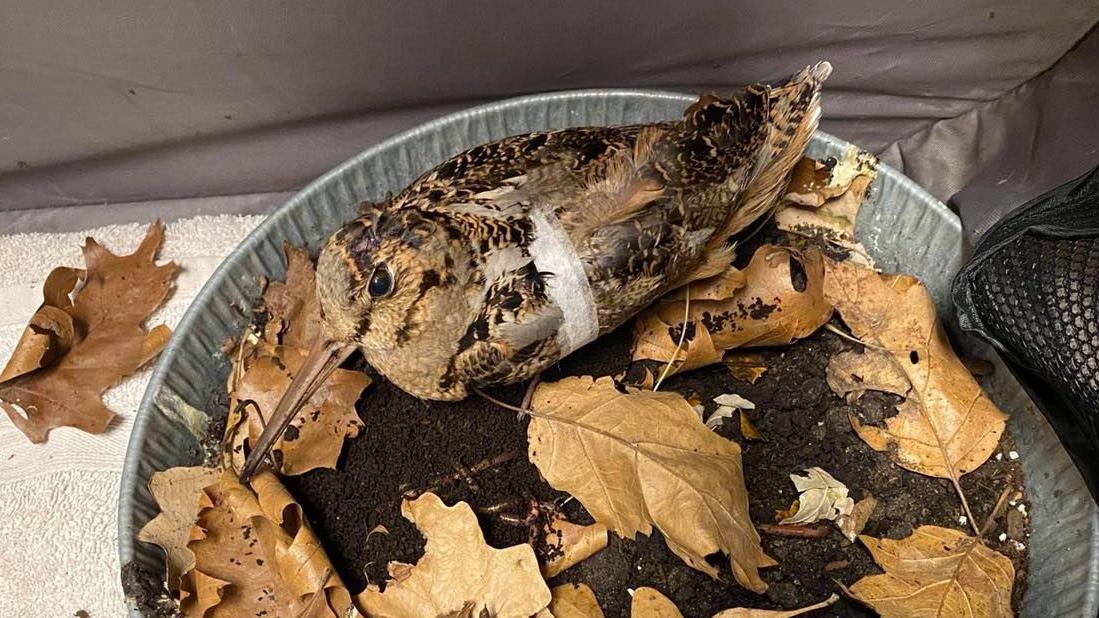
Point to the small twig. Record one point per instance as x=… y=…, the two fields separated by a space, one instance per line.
x=499 y=507
x=682 y=338
x=997 y=510
x=463 y=473
x=796 y=531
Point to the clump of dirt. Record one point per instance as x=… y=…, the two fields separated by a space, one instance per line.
x=411 y=445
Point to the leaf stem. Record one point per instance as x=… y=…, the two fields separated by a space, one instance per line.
x=682 y=338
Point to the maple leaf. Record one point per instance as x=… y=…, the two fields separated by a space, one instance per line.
x=638 y=459
x=458 y=572
x=573 y=543
x=936 y=572
x=255 y=555
x=946 y=426
x=315 y=437
x=574 y=601
x=72 y=352
x=771 y=308
x=177 y=492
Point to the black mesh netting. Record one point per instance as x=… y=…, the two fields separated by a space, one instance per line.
x=1032 y=290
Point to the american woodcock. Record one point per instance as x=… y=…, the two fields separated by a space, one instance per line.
x=508 y=256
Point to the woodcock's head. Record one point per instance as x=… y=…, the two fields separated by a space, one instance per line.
x=396 y=285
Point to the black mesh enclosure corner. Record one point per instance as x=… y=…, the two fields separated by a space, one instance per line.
x=1031 y=289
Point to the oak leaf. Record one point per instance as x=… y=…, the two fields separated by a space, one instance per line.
x=947 y=426
x=254 y=553
x=781 y=301
x=638 y=459
x=458 y=571
x=573 y=543
x=936 y=572
x=177 y=492
x=574 y=601
x=264 y=365
x=72 y=352
x=315 y=437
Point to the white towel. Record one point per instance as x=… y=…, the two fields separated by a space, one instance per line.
x=59 y=500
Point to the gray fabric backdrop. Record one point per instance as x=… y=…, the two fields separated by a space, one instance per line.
x=121 y=109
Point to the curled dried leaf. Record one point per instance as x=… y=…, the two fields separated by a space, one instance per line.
x=852 y=525
x=572 y=543
x=782 y=301
x=823 y=200
x=459 y=569
x=574 y=601
x=936 y=572
x=641 y=458
x=821 y=497
x=71 y=353
x=255 y=553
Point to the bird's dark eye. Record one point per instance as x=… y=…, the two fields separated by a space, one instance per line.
x=381 y=281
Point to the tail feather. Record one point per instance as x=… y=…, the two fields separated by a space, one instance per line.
x=793 y=112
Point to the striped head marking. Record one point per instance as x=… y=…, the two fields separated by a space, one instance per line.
x=394 y=283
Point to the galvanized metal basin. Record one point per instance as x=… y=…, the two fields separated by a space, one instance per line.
x=904 y=228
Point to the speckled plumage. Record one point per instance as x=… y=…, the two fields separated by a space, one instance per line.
x=646 y=209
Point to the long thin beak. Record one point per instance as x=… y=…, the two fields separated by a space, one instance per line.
x=323 y=359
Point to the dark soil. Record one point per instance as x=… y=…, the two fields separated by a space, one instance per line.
x=409 y=444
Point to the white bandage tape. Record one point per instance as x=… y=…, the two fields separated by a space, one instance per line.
x=568 y=287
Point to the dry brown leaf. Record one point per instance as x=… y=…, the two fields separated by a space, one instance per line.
x=575 y=542
x=315 y=437
x=457 y=568
x=748 y=428
x=947 y=426
x=820 y=496
x=105 y=341
x=255 y=552
x=292 y=305
x=936 y=572
x=850 y=374
x=746 y=366
x=574 y=601
x=781 y=514
x=824 y=201
x=177 y=492
x=746 y=612
x=852 y=525
x=768 y=310
x=642 y=458
x=649 y=603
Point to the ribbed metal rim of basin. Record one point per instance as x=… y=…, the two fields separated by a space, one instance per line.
x=136 y=448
